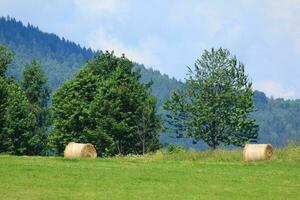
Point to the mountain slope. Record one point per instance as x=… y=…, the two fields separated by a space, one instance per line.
x=60 y=58
x=279 y=119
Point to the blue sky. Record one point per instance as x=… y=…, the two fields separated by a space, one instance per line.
x=171 y=35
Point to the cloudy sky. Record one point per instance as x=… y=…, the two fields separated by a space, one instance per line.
x=169 y=35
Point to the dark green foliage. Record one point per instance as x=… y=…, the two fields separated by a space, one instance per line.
x=162 y=86
x=278 y=120
x=5 y=59
x=3 y=99
x=102 y=105
x=60 y=58
x=35 y=86
x=215 y=103
x=19 y=122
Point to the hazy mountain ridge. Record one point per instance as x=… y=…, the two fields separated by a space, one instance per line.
x=60 y=58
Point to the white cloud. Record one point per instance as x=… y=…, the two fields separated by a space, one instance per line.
x=92 y=7
x=169 y=35
x=275 y=89
x=141 y=53
x=285 y=19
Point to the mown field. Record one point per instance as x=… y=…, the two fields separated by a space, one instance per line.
x=184 y=175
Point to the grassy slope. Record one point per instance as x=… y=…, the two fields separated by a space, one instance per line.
x=208 y=175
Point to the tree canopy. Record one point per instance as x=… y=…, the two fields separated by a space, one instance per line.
x=35 y=86
x=101 y=105
x=215 y=104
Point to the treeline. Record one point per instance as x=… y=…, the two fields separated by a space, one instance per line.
x=104 y=104
x=60 y=60
x=23 y=109
x=278 y=119
x=107 y=105
x=60 y=57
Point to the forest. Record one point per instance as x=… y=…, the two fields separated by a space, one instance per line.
x=61 y=59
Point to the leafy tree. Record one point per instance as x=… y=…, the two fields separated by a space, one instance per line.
x=215 y=104
x=18 y=123
x=148 y=122
x=5 y=59
x=35 y=86
x=16 y=119
x=3 y=99
x=101 y=106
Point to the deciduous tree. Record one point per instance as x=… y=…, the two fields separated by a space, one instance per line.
x=100 y=105
x=215 y=104
x=19 y=122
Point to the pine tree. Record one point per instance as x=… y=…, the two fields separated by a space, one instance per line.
x=35 y=86
x=5 y=59
x=17 y=122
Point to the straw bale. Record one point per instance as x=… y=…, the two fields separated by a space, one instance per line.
x=80 y=150
x=257 y=152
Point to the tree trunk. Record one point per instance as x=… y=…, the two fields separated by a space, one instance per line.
x=143 y=143
x=118 y=147
x=213 y=147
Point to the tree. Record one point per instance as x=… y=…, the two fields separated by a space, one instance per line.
x=35 y=86
x=5 y=59
x=148 y=122
x=3 y=100
x=215 y=104
x=100 y=105
x=18 y=123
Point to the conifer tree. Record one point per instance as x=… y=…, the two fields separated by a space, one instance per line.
x=17 y=122
x=35 y=86
x=5 y=59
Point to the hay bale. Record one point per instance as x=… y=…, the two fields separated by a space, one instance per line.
x=80 y=150
x=257 y=152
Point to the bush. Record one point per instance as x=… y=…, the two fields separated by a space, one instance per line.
x=175 y=149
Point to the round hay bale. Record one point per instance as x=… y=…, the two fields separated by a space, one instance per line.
x=80 y=150
x=257 y=152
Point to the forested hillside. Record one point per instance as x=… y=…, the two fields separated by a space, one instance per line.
x=60 y=59
x=279 y=119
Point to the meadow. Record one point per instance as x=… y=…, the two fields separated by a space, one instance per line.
x=216 y=174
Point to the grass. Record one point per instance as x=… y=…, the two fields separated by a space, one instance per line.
x=184 y=175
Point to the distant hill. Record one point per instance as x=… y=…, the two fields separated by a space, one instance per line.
x=61 y=58
x=279 y=119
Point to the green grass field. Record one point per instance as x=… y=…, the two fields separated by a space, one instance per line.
x=186 y=175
